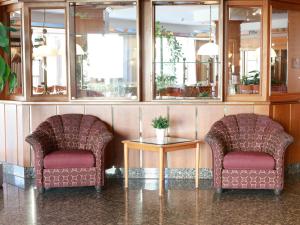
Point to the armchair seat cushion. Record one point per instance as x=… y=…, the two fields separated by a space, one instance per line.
x=249 y=161
x=69 y=159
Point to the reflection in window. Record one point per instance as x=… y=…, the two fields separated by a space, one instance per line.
x=48 y=52
x=186 y=51
x=285 y=60
x=16 y=50
x=244 y=50
x=106 y=51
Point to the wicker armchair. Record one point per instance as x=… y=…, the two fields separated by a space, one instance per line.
x=248 y=152
x=69 y=151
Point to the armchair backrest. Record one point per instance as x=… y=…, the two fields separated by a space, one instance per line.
x=71 y=131
x=245 y=132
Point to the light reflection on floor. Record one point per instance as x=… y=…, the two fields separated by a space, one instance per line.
x=181 y=204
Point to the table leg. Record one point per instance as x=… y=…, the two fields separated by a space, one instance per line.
x=197 y=165
x=126 y=164
x=161 y=171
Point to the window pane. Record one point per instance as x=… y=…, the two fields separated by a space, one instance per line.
x=186 y=51
x=106 y=51
x=244 y=50
x=285 y=60
x=48 y=52
x=16 y=50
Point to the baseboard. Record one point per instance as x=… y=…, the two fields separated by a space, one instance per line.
x=153 y=173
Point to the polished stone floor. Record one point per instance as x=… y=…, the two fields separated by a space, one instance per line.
x=181 y=204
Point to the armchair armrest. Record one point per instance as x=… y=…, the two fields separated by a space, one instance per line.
x=218 y=148
x=42 y=144
x=98 y=139
x=216 y=143
x=276 y=145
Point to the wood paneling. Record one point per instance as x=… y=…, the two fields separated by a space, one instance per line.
x=281 y=114
x=207 y=115
x=182 y=124
x=23 y=115
x=104 y=112
x=293 y=153
x=39 y=113
x=236 y=109
x=150 y=159
x=65 y=109
x=262 y=109
x=11 y=134
x=2 y=133
x=126 y=126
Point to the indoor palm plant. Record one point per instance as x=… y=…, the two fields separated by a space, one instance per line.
x=6 y=75
x=160 y=124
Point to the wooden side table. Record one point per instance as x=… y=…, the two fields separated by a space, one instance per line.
x=170 y=144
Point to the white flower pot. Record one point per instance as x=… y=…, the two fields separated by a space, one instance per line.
x=160 y=135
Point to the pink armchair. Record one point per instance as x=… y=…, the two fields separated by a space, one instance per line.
x=69 y=151
x=248 y=152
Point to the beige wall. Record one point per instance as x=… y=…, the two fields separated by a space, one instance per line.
x=126 y=121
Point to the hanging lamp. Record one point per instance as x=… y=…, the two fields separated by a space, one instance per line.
x=45 y=50
x=211 y=49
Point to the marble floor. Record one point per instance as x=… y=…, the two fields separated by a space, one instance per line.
x=181 y=204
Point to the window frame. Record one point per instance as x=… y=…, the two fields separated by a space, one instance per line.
x=9 y=9
x=28 y=54
x=280 y=97
x=262 y=95
x=72 y=52
x=183 y=99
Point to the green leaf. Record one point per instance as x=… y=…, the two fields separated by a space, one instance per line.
x=6 y=49
x=12 y=29
x=12 y=82
x=1 y=84
x=4 y=41
x=7 y=73
x=2 y=66
x=3 y=32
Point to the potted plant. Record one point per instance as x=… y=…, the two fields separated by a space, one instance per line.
x=245 y=87
x=254 y=81
x=6 y=75
x=160 y=124
x=166 y=85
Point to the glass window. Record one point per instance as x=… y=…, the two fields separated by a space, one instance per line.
x=244 y=50
x=15 y=35
x=285 y=51
x=49 y=73
x=187 y=62
x=106 y=51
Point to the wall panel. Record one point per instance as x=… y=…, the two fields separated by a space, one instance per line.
x=126 y=126
x=236 y=109
x=64 y=109
x=293 y=153
x=39 y=113
x=2 y=133
x=11 y=133
x=262 y=109
x=182 y=124
x=207 y=115
x=24 y=155
x=281 y=113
